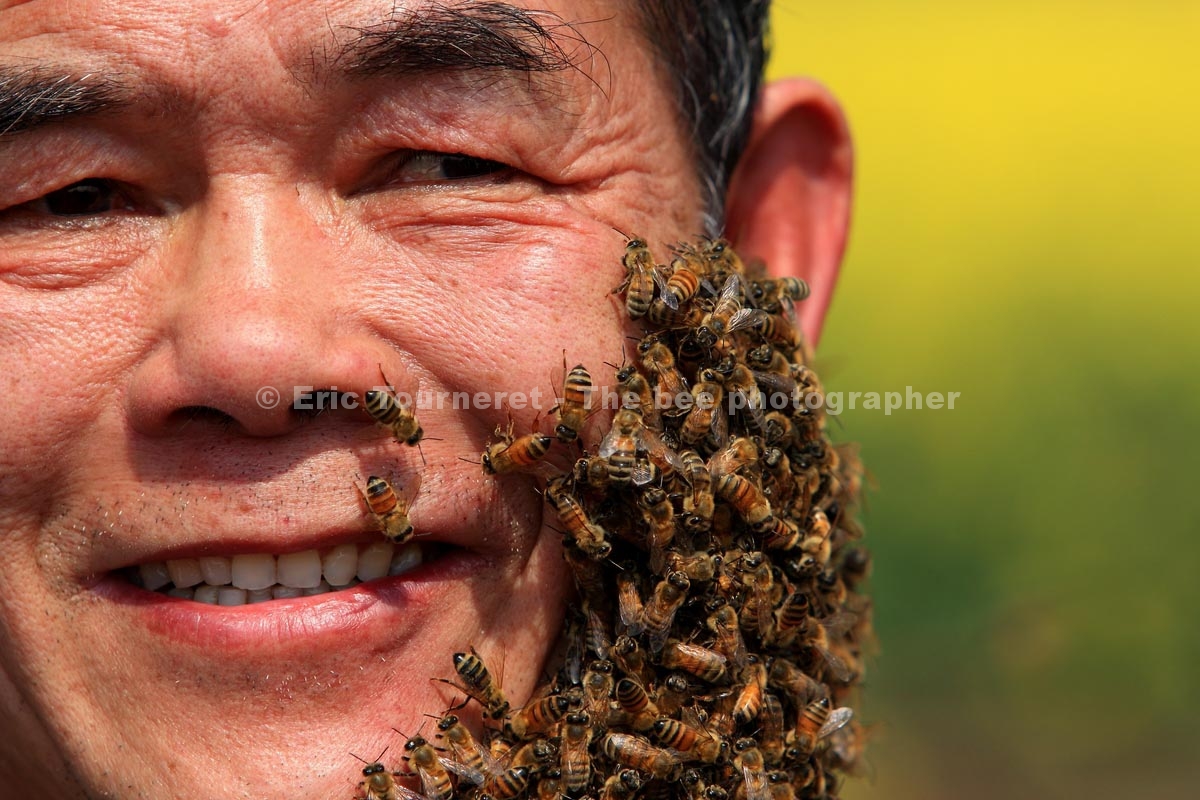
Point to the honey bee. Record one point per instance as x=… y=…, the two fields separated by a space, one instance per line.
x=856 y=567
x=660 y=362
x=587 y=535
x=588 y=579
x=818 y=720
x=389 y=510
x=663 y=316
x=770 y=731
x=747 y=499
x=640 y=710
x=727 y=316
x=750 y=699
x=697 y=504
x=550 y=785
x=777 y=329
x=790 y=617
x=700 y=566
x=705 y=664
x=596 y=637
x=537 y=716
x=682 y=285
x=758 y=576
x=721 y=257
x=660 y=519
x=507 y=784
x=480 y=684
x=620 y=446
x=816 y=544
x=783 y=535
x=641 y=276
x=634 y=751
x=659 y=612
x=817 y=634
x=621 y=786
x=689 y=740
x=435 y=778
x=635 y=392
x=535 y=756
x=779 y=485
x=673 y=693
x=779 y=430
x=749 y=759
x=629 y=602
x=799 y=686
x=766 y=358
x=575 y=405
x=508 y=454
x=598 y=689
x=707 y=395
x=463 y=746
x=575 y=758
x=378 y=783
x=777 y=295
x=630 y=659
x=729 y=643
x=741 y=383
x=741 y=452
x=591 y=470
x=779 y=784
x=394 y=415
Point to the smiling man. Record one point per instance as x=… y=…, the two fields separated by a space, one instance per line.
x=206 y=204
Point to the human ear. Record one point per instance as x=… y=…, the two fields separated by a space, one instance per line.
x=789 y=198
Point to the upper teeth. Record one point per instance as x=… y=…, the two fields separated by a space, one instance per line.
x=261 y=576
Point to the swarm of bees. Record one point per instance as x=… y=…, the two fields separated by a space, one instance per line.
x=717 y=638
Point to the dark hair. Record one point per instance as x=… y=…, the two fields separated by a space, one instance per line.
x=714 y=52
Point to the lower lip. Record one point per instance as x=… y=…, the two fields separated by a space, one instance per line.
x=395 y=605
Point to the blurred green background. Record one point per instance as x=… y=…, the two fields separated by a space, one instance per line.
x=1025 y=232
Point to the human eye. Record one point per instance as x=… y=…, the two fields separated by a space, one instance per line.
x=84 y=201
x=429 y=168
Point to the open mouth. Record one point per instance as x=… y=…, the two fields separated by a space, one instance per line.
x=260 y=577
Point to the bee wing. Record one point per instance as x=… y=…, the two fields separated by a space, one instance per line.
x=838 y=668
x=642 y=473
x=837 y=718
x=658 y=450
x=773 y=383
x=468 y=774
x=720 y=428
x=608 y=445
x=838 y=623
x=405 y=793
x=429 y=784
x=629 y=606
x=756 y=784
x=743 y=318
x=729 y=289
x=661 y=282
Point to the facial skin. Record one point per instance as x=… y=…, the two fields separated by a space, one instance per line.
x=268 y=221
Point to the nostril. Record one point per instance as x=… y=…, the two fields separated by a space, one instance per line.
x=194 y=415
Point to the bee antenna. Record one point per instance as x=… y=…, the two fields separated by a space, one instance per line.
x=363 y=760
x=623 y=233
x=469 y=461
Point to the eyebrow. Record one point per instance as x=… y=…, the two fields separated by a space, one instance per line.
x=469 y=36
x=32 y=96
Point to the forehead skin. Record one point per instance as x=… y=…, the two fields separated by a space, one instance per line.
x=176 y=59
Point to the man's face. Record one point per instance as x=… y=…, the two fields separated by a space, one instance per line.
x=276 y=196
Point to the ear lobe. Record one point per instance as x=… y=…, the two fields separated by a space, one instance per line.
x=789 y=198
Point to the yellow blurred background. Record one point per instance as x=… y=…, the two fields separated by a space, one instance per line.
x=1025 y=232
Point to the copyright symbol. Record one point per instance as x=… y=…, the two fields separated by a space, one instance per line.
x=267 y=397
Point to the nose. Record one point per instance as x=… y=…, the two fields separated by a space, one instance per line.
x=251 y=312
